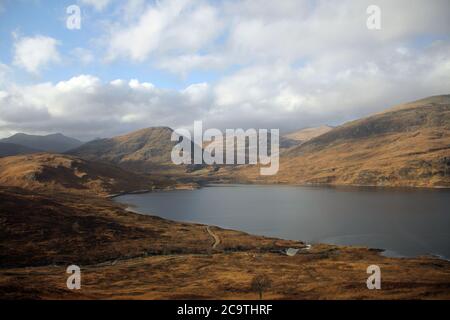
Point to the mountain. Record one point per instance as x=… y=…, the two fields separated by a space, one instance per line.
x=12 y=149
x=144 y=150
x=45 y=171
x=50 y=143
x=407 y=145
x=307 y=134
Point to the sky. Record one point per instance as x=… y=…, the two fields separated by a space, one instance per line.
x=285 y=64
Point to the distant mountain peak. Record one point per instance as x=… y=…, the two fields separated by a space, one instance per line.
x=55 y=142
x=147 y=148
x=12 y=149
x=407 y=145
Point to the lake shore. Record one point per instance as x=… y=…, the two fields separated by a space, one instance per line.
x=126 y=255
x=311 y=209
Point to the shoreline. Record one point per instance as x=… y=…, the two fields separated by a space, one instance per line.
x=172 y=188
x=202 y=184
x=137 y=252
x=330 y=185
x=382 y=251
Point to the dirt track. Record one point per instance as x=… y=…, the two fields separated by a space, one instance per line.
x=216 y=237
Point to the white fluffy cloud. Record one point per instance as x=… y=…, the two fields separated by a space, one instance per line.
x=185 y=35
x=184 y=64
x=270 y=96
x=285 y=64
x=164 y=28
x=34 y=53
x=322 y=91
x=86 y=107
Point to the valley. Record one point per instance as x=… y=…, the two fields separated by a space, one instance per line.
x=55 y=210
x=123 y=255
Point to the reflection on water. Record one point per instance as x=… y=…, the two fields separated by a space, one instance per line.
x=404 y=222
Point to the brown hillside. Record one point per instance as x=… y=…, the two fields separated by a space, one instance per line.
x=408 y=145
x=124 y=255
x=145 y=150
x=430 y=113
x=308 y=133
x=44 y=228
x=62 y=172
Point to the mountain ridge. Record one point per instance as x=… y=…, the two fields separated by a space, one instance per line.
x=404 y=146
x=397 y=119
x=55 y=142
x=143 y=150
x=11 y=149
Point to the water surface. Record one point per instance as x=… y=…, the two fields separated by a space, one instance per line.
x=404 y=222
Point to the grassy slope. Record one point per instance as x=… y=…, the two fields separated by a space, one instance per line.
x=126 y=255
x=408 y=145
x=145 y=150
x=45 y=171
x=307 y=134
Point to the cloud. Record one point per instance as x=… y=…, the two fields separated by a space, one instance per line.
x=34 y=53
x=98 y=5
x=286 y=65
x=86 y=107
x=330 y=89
x=183 y=64
x=294 y=30
x=184 y=36
x=275 y=95
x=163 y=28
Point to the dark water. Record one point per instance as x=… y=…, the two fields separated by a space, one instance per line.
x=404 y=222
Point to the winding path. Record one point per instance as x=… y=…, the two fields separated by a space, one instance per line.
x=215 y=237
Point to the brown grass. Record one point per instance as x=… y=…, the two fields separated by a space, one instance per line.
x=124 y=255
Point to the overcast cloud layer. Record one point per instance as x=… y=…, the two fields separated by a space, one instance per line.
x=281 y=64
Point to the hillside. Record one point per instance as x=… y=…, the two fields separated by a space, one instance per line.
x=308 y=133
x=407 y=145
x=146 y=257
x=50 y=143
x=52 y=216
x=145 y=150
x=427 y=114
x=11 y=149
x=44 y=171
